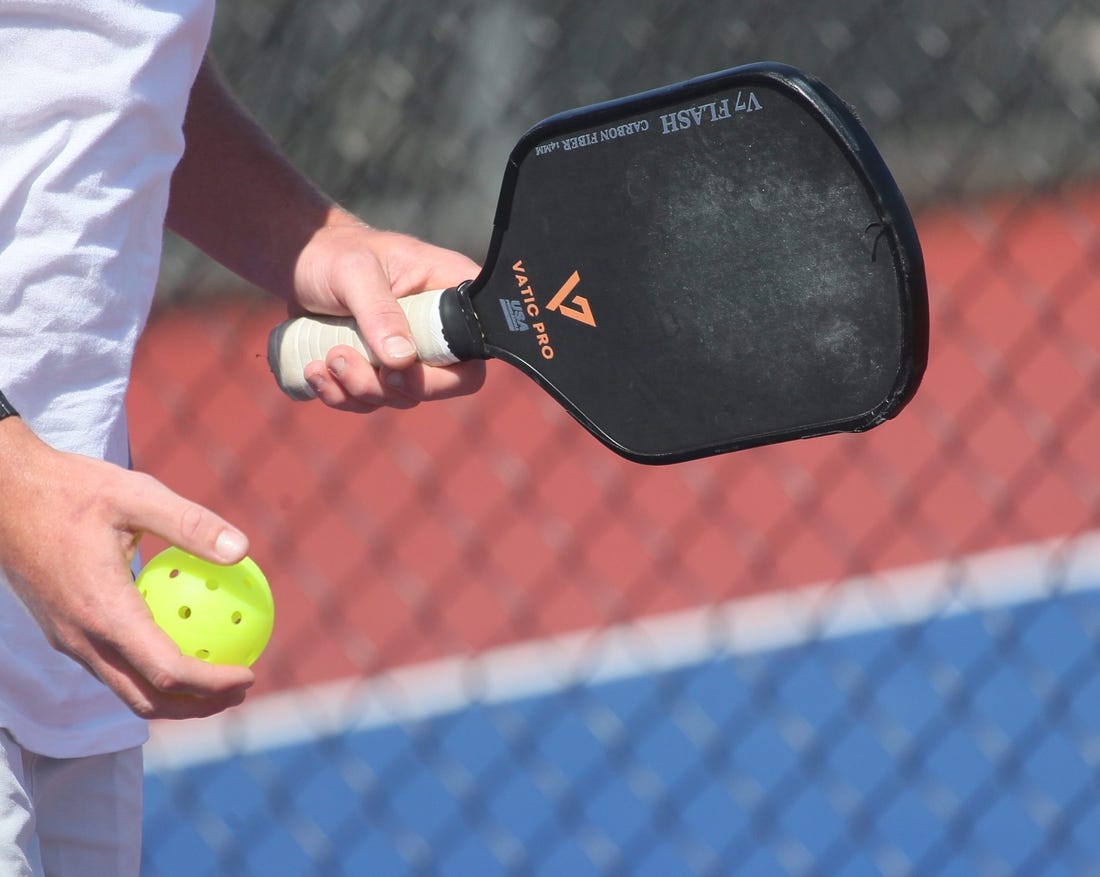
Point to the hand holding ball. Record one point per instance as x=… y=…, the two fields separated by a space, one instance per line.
x=220 y=614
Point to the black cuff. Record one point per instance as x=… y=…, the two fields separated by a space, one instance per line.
x=6 y=409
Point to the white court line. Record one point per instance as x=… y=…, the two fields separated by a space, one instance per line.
x=761 y=623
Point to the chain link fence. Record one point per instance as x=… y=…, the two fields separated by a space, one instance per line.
x=499 y=649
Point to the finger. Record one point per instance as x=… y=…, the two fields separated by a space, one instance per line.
x=146 y=699
x=181 y=522
x=382 y=322
x=352 y=379
x=329 y=390
x=145 y=668
x=414 y=265
x=424 y=383
x=446 y=268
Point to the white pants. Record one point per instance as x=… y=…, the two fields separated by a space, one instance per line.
x=69 y=817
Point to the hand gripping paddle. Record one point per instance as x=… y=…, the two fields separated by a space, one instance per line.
x=722 y=263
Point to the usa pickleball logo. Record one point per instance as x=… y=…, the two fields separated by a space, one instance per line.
x=513 y=315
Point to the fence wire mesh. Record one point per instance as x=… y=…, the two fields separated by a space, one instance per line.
x=499 y=649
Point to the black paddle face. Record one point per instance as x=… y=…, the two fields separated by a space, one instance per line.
x=720 y=264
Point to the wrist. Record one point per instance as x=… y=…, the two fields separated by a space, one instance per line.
x=24 y=457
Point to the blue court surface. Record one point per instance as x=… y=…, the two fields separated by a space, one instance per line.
x=949 y=730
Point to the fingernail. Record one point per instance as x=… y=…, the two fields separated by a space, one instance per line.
x=316 y=382
x=231 y=545
x=398 y=347
x=394 y=379
x=338 y=366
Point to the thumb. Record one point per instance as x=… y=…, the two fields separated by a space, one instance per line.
x=186 y=524
x=381 y=320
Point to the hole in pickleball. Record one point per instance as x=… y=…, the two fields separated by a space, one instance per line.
x=235 y=617
x=202 y=654
x=211 y=585
x=185 y=611
x=173 y=573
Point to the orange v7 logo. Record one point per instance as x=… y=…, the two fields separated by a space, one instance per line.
x=579 y=309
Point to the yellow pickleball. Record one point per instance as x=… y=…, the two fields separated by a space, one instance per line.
x=220 y=614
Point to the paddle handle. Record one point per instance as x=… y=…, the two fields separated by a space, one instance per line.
x=297 y=342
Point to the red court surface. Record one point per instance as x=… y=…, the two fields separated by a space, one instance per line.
x=461 y=525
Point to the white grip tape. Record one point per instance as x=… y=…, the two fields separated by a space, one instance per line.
x=300 y=341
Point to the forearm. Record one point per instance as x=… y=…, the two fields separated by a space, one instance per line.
x=237 y=198
x=235 y=195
